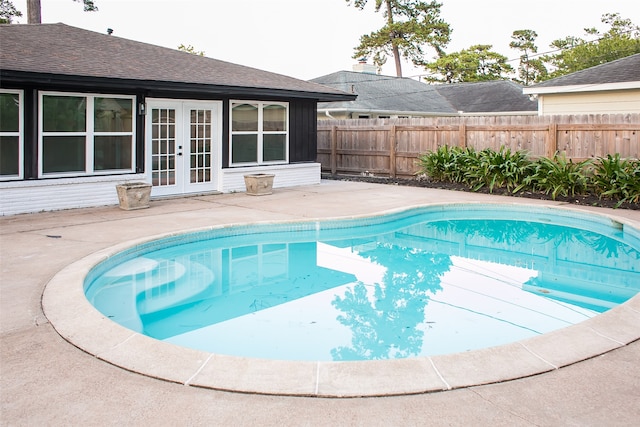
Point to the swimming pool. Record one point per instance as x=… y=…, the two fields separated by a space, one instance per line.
x=78 y=322
x=421 y=282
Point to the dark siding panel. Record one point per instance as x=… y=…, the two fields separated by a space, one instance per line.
x=30 y=134
x=140 y=135
x=225 y=133
x=302 y=135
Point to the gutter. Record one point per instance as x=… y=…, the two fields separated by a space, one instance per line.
x=595 y=87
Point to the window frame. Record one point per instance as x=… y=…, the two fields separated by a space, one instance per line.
x=260 y=133
x=19 y=134
x=89 y=135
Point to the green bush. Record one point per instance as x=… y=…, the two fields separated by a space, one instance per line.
x=443 y=164
x=498 y=169
x=617 y=179
x=608 y=178
x=559 y=176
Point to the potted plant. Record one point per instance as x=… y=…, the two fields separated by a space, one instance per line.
x=134 y=195
x=259 y=184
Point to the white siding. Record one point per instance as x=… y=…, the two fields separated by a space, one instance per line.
x=612 y=102
x=285 y=175
x=56 y=194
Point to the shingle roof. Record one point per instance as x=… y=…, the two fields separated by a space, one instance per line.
x=619 y=71
x=384 y=93
x=59 y=49
x=487 y=97
x=387 y=93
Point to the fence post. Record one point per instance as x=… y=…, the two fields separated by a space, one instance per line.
x=392 y=151
x=462 y=135
x=552 y=144
x=334 y=150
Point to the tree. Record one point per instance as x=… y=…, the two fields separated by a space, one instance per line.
x=410 y=25
x=34 y=10
x=8 y=11
x=475 y=64
x=190 y=49
x=530 y=69
x=575 y=53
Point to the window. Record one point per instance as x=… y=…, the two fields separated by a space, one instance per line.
x=11 y=138
x=259 y=133
x=86 y=134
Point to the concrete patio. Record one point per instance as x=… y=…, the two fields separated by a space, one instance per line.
x=45 y=380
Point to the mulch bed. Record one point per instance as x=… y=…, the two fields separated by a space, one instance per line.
x=588 y=200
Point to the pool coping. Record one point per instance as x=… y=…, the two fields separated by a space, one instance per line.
x=77 y=321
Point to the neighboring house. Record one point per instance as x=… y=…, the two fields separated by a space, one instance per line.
x=610 y=88
x=83 y=111
x=391 y=97
x=497 y=97
x=381 y=97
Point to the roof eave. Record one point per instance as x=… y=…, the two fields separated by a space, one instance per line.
x=89 y=82
x=386 y=112
x=596 y=87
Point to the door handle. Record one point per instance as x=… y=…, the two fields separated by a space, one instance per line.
x=179 y=154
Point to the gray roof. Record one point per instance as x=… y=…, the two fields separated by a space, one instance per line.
x=384 y=93
x=619 y=71
x=62 y=50
x=496 y=96
x=387 y=93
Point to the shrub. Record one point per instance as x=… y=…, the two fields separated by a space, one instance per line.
x=611 y=177
x=617 y=179
x=559 y=176
x=442 y=164
x=498 y=169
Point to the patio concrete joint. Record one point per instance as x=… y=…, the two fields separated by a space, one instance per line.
x=533 y=353
x=607 y=337
x=433 y=365
x=188 y=382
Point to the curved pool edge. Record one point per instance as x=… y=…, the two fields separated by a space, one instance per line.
x=77 y=321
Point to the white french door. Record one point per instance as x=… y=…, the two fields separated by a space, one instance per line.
x=182 y=140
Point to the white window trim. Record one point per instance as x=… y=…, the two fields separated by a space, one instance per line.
x=89 y=133
x=19 y=134
x=260 y=132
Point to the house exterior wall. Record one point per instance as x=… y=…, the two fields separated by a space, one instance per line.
x=33 y=193
x=285 y=176
x=18 y=197
x=610 y=102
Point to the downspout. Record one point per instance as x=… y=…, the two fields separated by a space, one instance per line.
x=326 y=112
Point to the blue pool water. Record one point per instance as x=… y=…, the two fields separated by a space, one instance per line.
x=427 y=281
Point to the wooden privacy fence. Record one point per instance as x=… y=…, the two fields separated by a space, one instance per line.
x=390 y=147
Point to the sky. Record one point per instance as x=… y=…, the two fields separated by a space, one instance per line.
x=311 y=38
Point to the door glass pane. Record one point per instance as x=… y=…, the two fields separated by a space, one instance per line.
x=9 y=155
x=244 y=149
x=163 y=144
x=274 y=148
x=113 y=115
x=63 y=154
x=64 y=113
x=112 y=152
x=200 y=144
x=9 y=112
x=275 y=118
x=244 y=118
